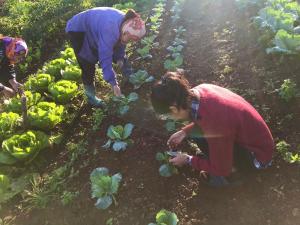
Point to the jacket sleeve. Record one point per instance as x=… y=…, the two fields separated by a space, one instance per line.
x=220 y=157
x=107 y=39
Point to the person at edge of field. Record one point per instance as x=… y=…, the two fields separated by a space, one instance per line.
x=100 y=35
x=12 y=51
x=229 y=128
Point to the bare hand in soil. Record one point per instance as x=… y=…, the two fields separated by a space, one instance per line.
x=117 y=90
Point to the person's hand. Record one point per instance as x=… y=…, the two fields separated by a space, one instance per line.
x=15 y=85
x=8 y=92
x=176 y=139
x=117 y=90
x=120 y=63
x=180 y=160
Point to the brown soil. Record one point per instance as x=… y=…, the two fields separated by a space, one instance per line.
x=218 y=35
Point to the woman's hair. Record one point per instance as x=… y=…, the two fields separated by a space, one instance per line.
x=131 y=14
x=172 y=90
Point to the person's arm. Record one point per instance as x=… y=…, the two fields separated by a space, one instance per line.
x=107 y=40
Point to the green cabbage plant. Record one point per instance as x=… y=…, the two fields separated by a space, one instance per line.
x=122 y=102
x=63 y=91
x=173 y=64
x=45 y=115
x=119 y=137
x=166 y=169
x=139 y=78
x=26 y=146
x=285 y=43
x=165 y=217
x=104 y=187
x=8 y=124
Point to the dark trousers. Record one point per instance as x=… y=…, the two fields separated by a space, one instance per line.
x=242 y=158
x=88 y=69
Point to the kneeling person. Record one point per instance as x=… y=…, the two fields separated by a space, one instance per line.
x=228 y=123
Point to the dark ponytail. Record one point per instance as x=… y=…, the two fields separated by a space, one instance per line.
x=172 y=90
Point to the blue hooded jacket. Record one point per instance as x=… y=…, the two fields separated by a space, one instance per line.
x=102 y=32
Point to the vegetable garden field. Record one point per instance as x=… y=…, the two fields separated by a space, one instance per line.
x=76 y=165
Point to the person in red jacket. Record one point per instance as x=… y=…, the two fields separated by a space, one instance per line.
x=228 y=123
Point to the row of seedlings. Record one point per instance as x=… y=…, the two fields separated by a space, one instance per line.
x=105 y=186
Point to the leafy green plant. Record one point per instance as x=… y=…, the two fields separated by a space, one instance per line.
x=26 y=146
x=122 y=102
x=288 y=90
x=139 y=78
x=98 y=116
x=173 y=64
x=104 y=187
x=63 y=91
x=283 y=149
x=8 y=124
x=144 y=52
x=175 y=50
x=275 y=19
x=165 y=217
x=166 y=169
x=285 y=43
x=119 y=137
x=15 y=105
x=68 y=197
x=39 y=83
x=71 y=73
x=125 y=6
x=54 y=67
x=68 y=54
x=45 y=115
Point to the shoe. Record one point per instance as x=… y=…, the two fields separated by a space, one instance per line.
x=90 y=93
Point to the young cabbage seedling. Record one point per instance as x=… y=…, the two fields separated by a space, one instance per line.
x=122 y=102
x=119 y=137
x=139 y=78
x=104 y=187
x=166 y=169
x=172 y=65
x=165 y=217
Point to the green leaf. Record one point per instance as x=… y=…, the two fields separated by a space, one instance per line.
x=116 y=179
x=107 y=144
x=6 y=158
x=104 y=202
x=165 y=170
x=4 y=183
x=166 y=217
x=160 y=156
x=119 y=145
x=127 y=130
x=133 y=97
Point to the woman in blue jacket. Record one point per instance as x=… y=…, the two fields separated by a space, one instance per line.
x=100 y=35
